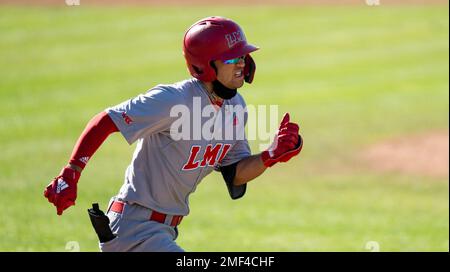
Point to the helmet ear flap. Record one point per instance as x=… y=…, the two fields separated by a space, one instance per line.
x=204 y=73
x=249 y=69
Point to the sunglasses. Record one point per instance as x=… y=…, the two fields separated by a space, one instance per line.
x=234 y=61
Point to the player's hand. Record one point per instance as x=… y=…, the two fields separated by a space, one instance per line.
x=62 y=191
x=287 y=144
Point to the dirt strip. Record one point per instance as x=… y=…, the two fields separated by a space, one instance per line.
x=426 y=154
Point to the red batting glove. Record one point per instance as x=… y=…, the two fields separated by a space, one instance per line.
x=287 y=144
x=62 y=191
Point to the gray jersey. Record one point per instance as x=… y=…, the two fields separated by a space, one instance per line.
x=165 y=171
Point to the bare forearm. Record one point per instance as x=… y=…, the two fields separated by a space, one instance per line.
x=248 y=169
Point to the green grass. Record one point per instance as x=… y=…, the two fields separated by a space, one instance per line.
x=351 y=76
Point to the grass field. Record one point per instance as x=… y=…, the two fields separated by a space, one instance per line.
x=351 y=75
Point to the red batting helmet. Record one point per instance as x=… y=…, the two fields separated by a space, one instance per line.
x=215 y=38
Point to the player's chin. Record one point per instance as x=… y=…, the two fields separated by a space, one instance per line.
x=238 y=82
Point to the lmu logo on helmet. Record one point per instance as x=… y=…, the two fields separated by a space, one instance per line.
x=234 y=38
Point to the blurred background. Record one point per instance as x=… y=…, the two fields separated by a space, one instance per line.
x=368 y=81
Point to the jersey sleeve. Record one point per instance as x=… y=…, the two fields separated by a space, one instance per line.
x=145 y=114
x=239 y=151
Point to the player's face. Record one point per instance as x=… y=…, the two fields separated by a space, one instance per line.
x=231 y=73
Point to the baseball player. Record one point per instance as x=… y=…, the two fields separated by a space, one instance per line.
x=164 y=171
